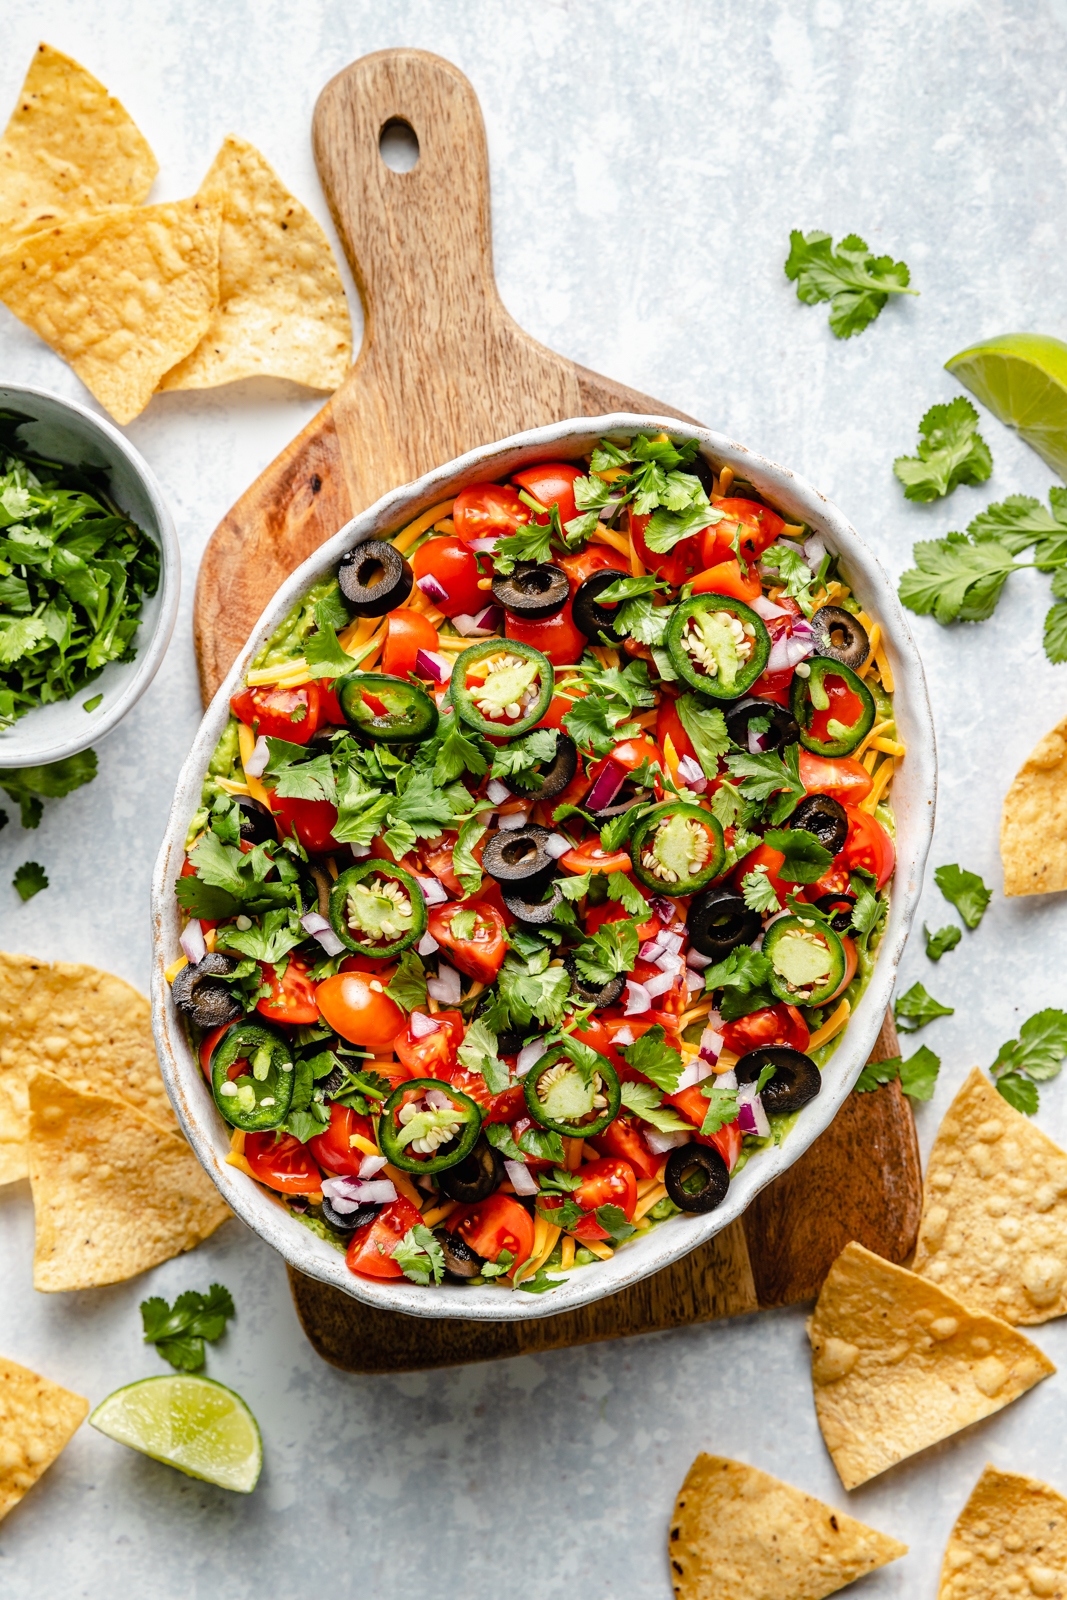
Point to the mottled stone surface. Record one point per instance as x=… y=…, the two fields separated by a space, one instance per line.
x=648 y=162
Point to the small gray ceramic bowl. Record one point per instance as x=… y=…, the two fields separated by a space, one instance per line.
x=64 y=431
x=913 y=799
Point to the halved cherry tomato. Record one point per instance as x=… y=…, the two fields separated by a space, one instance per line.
x=274 y=713
x=623 y=1139
x=842 y=777
x=333 y=1148
x=759 y=528
x=482 y=955
x=729 y=577
x=434 y=1054
x=283 y=1164
x=774 y=686
x=556 y=637
x=609 y=1182
x=594 y=558
x=553 y=485
x=676 y=565
x=589 y=857
x=869 y=847
x=359 y=1012
x=496 y=1224
x=771 y=859
x=487 y=510
x=407 y=632
x=693 y=1103
x=312 y=821
x=370 y=1251
x=455 y=566
x=292 y=997
x=780 y=1024
x=669 y=725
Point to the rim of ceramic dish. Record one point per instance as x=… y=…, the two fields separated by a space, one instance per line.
x=151 y=650
x=913 y=795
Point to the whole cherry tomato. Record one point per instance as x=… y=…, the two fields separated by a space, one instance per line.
x=333 y=1148
x=488 y=510
x=482 y=954
x=292 y=997
x=553 y=485
x=556 y=637
x=356 y=1006
x=312 y=821
x=455 y=566
x=283 y=1164
x=869 y=847
x=780 y=1024
x=729 y=577
x=407 y=632
x=274 y=713
x=370 y=1252
x=842 y=777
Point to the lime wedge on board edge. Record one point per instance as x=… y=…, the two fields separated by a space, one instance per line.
x=194 y=1424
x=1022 y=378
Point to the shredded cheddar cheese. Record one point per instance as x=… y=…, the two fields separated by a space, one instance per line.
x=414 y=530
x=831 y=1027
x=246 y=741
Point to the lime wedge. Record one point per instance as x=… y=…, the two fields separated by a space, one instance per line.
x=191 y=1423
x=1022 y=378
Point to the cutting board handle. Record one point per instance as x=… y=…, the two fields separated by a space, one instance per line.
x=419 y=243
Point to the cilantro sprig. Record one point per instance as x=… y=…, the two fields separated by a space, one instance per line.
x=1036 y=1056
x=855 y=281
x=951 y=451
x=180 y=1331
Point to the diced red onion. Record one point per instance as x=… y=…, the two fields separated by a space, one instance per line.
x=694 y=959
x=755 y=741
x=690 y=769
x=438 y=1100
x=660 y=1143
x=711 y=1043
x=432 y=665
x=671 y=942
x=256 y=765
x=750 y=1113
x=789 y=650
x=726 y=1080
x=528 y=1056
x=484 y=547
x=319 y=928
x=446 y=987
x=694 y=981
x=652 y=948
x=638 y=998
x=431 y=587
x=360 y=851
x=606 y=786
x=814 y=551
x=370 y=1166
x=497 y=792
x=192 y=942
x=766 y=608
x=490 y=618
x=522 y=1179
x=467 y=625
x=421 y=1025
x=669 y=963
x=663 y=908
x=348 y=1194
x=624 y=1036
x=654 y=987
x=433 y=890
x=512 y=820
x=694 y=1071
x=427 y=945
x=557 y=845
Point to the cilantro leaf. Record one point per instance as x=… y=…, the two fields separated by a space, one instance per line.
x=531 y=542
x=627 y=588
x=276 y=933
x=792 y=569
x=918 y=1074
x=522 y=995
x=1040 y=1049
x=955 y=579
x=299 y=776
x=916 y=1008
x=876 y=1073
x=758 y=892
x=542 y=1144
x=770 y=774
x=966 y=891
x=426 y=807
x=1020 y=521
x=646 y=1102
x=456 y=752
x=805 y=858
x=561 y=1213
x=610 y=950
x=30 y=878
x=478 y=1053
x=939 y=943
x=643 y=620
x=419 y=1256
x=573 y=888
x=1054 y=636
x=654 y=1059
x=613 y=1221
x=500 y=1137
x=868 y=907
x=616 y=831
x=667 y=528
x=1019 y=1092
x=951 y=451
x=361 y=811
x=324 y=654
x=465 y=864
x=540 y=1283
x=706 y=728
x=524 y=756
x=28 y=786
x=622 y=888
x=856 y=282
x=408 y=983
x=722 y=1107
x=743 y=969
x=179 y=1331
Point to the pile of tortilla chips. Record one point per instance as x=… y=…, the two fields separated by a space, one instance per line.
x=1010 y=1539
x=83 y=1113
x=236 y=282
x=1033 y=822
x=37 y=1420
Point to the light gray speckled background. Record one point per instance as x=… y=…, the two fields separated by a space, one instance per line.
x=648 y=161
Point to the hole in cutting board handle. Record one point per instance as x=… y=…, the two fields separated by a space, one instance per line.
x=398 y=145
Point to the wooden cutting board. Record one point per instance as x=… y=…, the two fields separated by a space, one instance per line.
x=444 y=368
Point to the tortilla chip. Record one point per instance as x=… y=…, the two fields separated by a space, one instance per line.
x=121 y=295
x=113 y=1194
x=739 y=1534
x=1010 y=1539
x=37 y=1421
x=994 y=1219
x=69 y=148
x=897 y=1364
x=1033 y=821
x=91 y=1028
x=282 y=310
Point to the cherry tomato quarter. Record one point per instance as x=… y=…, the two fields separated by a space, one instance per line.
x=868 y=846
x=496 y=1224
x=489 y=510
x=292 y=997
x=553 y=485
x=407 y=632
x=311 y=821
x=333 y=1148
x=455 y=566
x=274 y=713
x=482 y=955
x=370 y=1251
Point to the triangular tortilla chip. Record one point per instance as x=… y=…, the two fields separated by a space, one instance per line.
x=121 y=295
x=1033 y=821
x=1010 y=1540
x=69 y=148
x=739 y=1534
x=89 y=1027
x=897 y=1364
x=112 y=1193
x=37 y=1421
x=282 y=310
x=994 y=1218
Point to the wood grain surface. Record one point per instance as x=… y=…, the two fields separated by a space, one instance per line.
x=443 y=367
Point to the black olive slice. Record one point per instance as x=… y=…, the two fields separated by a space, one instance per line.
x=825 y=817
x=781 y=730
x=534 y=590
x=588 y=993
x=719 y=921
x=508 y=1043
x=839 y=635
x=838 y=907
x=460 y=1260
x=201 y=995
x=796 y=1078
x=347 y=1221
x=518 y=855
x=554 y=778
x=374 y=578
x=522 y=902
x=257 y=821
x=690 y=1161
x=476 y=1176
x=589 y=615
